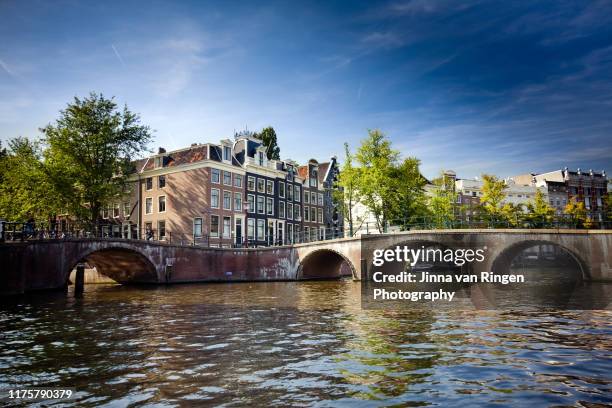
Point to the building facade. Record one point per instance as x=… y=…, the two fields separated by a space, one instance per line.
x=225 y=195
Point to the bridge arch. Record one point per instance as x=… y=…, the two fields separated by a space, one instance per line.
x=122 y=264
x=503 y=260
x=324 y=263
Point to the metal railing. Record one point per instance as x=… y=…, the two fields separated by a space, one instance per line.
x=27 y=231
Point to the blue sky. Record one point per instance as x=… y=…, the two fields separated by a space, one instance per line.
x=474 y=86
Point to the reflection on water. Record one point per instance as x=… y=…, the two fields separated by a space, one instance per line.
x=306 y=343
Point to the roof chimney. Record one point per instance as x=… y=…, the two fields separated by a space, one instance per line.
x=161 y=150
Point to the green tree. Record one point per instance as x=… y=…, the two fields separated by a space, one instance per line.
x=442 y=201
x=390 y=189
x=576 y=212
x=26 y=191
x=377 y=159
x=89 y=153
x=491 y=201
x=539 y=213
x=347 y=195
x=269 y=139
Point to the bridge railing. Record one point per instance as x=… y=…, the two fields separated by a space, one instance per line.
x=311 y=232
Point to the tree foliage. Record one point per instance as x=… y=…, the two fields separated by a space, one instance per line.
x=89 y=153
x=576 y=212
x=269 y=139
x=347 y=194
x=491 y=201
x=390 y=189
x=442 y=202
x=26 y=191
x=539 y=213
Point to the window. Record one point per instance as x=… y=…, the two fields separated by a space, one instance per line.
x=320 y=199
x=214 y=198
x=116 y=210
x=306 y=213
x=313 y=198
x=161 y=201
x=216 y=176
x=290 y=211
x=127 y=209
x=227 y=153
x=149 y=205
x=237 y=180
x=306 y=234
x=227 y=227
x=159 y=162
x=227 y=178
x=473 y=194
x=161 y=230
x=320 y=216
x=261 y=230
x=289 y=192
x=260 y=157
x=149 y=183
x=227 y=200
x=269 y=206
x=281 y=189
x=260 y=185
x=281 y=209
x=237 y=202
x=313 y=179
x=296 y=212
x=251 y=228
x=149 y=227
x=251 y=203
x=105 y=212
x=270 y=187
x=306 y=197
x=197 y=227
x=214 y=225
x=297 y=193
x=260 y=205
x=161 y=181
x=251 y=183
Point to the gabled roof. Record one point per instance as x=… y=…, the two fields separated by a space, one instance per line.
x=176 y=158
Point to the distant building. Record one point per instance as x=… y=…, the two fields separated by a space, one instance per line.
x=564 y=185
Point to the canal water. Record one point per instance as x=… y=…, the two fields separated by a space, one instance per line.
x=297 y=344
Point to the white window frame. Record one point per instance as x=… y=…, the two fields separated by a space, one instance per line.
x=281 y=209
x=238 y=202
x=254 y=183
x=269 y=206
x=147 y=188
x=269 y=187
x=261 y=190
x=212 y=190
x=201 y=227
x=227 y=194
x=226 y=233
x=159 y=200
x=227 y=173
x=149 y=208
x=250 y=228
x=296 y=193
x=281 y=189
x=212 y=233
x=289 y=210
x=253 y=209
x=216 y=172
x=238 y=179
x=261 y=223
x=261 y=209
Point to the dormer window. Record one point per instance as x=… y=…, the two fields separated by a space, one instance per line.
x=227 y=153
x=260 y=158
x=313 y=179
x=159 y=162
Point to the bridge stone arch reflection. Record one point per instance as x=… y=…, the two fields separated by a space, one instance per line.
x=123 y=265
x=503 y=261
x=323 y=264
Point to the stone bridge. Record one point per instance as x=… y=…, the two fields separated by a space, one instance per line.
x=38 y=265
